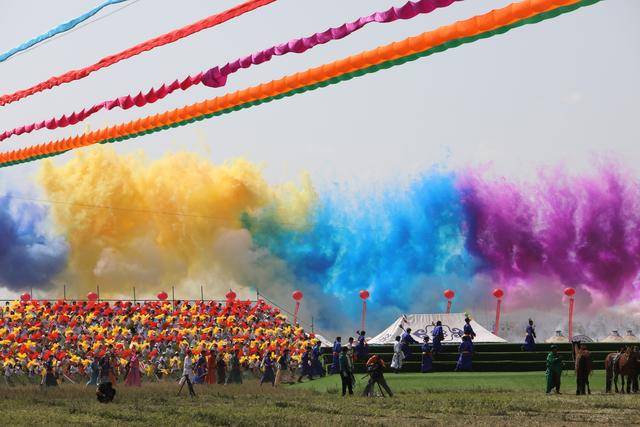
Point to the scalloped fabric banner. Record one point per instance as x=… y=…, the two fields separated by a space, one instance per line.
x=493 y=23
x=162 y=40
x=217 y=76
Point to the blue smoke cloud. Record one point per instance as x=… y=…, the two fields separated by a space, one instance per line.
x=28 y=256
x=406 y=246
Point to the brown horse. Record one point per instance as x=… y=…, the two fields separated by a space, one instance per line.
x=624 y=365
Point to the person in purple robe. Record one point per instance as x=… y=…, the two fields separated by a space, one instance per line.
x=337 y=349
x=268 y=375
x=362 y=348
x=530 y=338
x=406 y=339
x=438 y=337
x=305 y=365
x=466 y=354
x=467 y=329
x=316 y=364
x=427 y=357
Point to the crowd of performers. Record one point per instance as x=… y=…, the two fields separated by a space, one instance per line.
x=209 y=342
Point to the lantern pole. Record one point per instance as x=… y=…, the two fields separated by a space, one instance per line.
x=497 y=324
x=134 y=295
x=64 y=292
x=201 y=294
x=448 y=306
x=98 y=291
x=571 y=302
x=173 y=297
x=364 y=315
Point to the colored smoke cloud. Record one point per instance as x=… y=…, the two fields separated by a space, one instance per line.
x=578 y=231
x=183 y=221
x=130 y=222
x=29 y=256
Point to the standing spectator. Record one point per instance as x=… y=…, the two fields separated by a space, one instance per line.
x=337 y=349
x=467 y=329
x=94 y=371
x=465 y=354
x=346 y=372
x=316 y=364
x=362 y=348
x=438 y=337
x=221 y=366
x=211 y=367
x=427 y=358
x=554 y=370
x=398 y=356
x=530 y=337
x=235 y=374
x=133 y=376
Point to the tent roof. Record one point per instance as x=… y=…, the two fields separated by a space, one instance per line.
x=422 y=324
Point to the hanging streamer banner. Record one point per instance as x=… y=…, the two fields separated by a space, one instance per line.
x=496 y=22
x=162 y=40
x=62 y=28
x=217 y=76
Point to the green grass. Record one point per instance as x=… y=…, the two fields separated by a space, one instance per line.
x=431 y=399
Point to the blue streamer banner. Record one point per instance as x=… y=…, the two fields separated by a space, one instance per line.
x=57 y=30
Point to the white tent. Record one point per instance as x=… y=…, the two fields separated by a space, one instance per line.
x=423 y=324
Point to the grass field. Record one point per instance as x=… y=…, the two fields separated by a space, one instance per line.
x=433 y=399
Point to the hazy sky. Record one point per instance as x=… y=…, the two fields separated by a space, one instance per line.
x=562 y=91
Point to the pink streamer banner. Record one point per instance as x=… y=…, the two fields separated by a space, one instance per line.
x=217 y=76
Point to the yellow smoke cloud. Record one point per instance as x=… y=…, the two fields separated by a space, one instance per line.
x=131 y=222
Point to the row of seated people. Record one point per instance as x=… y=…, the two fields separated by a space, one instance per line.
x=68 y=337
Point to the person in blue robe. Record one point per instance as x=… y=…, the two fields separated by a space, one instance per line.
x=268 y=375
x=201 y=369
x=427 y=357
x=466 y=354
x=467 y=329
x=362 y=348
x=337 y=349
x=406 y=339
x=530 y=338
x=438 y=336
x=305 y=365
x=316 y=364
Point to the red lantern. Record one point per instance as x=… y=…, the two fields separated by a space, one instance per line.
x=297 y=295
x=364 y=295
x=449 y=294
x=162 y=296
x=230 y=295
x=92 y=296
x=498 y=293
x=25 y=297
x=569 y=292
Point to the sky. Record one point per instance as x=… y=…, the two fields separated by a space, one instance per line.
x=561 y=93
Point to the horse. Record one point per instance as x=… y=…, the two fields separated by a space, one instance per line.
x=624 y=365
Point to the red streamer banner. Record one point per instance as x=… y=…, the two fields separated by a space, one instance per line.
x=162 y=40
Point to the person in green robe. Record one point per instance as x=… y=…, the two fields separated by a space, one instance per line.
x=554 y=370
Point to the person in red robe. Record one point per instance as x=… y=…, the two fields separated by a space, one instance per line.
x=211 y=368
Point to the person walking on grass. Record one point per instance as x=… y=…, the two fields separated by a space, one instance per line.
x=268 y=376
x=305 y=365
x=554 y=370
x=187 y=374
x=283 y=366
x=316 y=364
x=346 y=371
x=94 y=371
